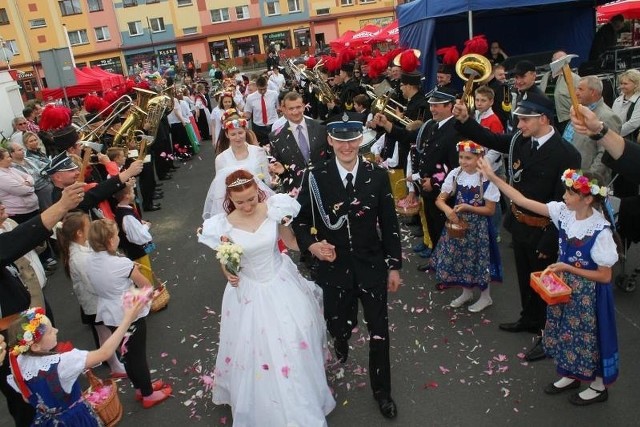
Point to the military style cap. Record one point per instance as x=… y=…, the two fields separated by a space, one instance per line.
x=60 y=163
x=534 y=105
x=523 y=67
x=441 y=95
x=345 y=128
x=413 y=78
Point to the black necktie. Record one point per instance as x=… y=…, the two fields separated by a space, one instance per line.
x=349 y=185
x=534 y=145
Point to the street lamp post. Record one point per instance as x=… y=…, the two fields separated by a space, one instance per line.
x=153 y=46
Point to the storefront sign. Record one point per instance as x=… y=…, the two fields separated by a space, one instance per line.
x=112 y=65
x=244 y=46
x=167 y=52
x=22 y=75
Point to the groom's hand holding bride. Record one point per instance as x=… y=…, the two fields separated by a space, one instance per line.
x=324 y=251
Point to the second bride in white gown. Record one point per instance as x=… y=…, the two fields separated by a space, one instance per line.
x=238 y=155
x=273 y=347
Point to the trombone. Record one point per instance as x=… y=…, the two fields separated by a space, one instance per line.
x=380 y=104
x=125 y=102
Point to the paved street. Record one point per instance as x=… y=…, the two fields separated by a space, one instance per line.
x=449 y=367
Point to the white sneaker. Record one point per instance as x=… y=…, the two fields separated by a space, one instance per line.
x=461 y=300
x=480 y=305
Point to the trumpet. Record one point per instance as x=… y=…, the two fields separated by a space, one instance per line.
x=472 y=68
x=381 y=105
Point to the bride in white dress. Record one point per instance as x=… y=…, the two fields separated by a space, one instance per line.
x=272 y=350
x=239 y=155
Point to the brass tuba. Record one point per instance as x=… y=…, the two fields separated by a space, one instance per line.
x=472 y=68
x=155 y=108
x=128 y=132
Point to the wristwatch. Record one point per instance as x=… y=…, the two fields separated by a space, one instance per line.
x=603 y=131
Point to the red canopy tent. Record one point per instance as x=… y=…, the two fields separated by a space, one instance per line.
x=387 y=34
x=116 y=79
x=342 y=41
x=363 y=35
x=84 y=85
x=630 y=9
x=104 y=80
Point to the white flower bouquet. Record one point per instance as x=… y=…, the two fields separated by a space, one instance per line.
x=229 y=255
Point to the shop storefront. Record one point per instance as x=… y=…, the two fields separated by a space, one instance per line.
x=245 y=46
x=302 y=38
x=28 y=84
x=112 y=65
x=277 y=41
x=168 y=56
x=137 y=62
x=218 y=50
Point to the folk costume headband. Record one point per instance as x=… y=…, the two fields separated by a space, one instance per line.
x=469 y=147
x=231 y=119
x=575 y=180
x=31 y=330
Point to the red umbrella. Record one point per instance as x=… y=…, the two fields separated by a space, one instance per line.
x=630 y=9
x=342 y=41
x=388 y=34
x=364 y=35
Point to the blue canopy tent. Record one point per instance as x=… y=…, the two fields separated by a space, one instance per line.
x=521 y=26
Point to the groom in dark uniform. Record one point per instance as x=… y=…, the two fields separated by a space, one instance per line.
x=348 y=221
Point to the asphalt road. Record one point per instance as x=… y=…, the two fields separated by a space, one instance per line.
x=449 y=367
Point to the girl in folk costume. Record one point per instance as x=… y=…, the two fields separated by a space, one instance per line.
x=49 y=379
x=471 y=261
x=203 y=115
x=135 y=239
x=74 y=250
x=581 y=334
x=113 y=278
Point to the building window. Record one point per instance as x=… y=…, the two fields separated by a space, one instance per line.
x=37 y=23
x=78 y=37
x=95 y=5
x=4 y=18
x=184 y=3
x=70 y=7
x=129 y=3
x=190 y=30
x=153 y=1
x=102 y=34
x=323 y=11
x=219 y=15
x=273 y=8
x=294 y=5
x=157 y=24
x=12 y=46
x=346 y=2
x=135 y=28
x=242 y=12
x=367 y=1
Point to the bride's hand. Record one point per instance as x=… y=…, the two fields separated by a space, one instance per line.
x=231 y=278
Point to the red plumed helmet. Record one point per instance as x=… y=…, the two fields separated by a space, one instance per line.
x=449 y=55
x=391 y=55
x=311 y=62
x=345 y=56
x=94 y=104
x=408 y=60
x=377 y=66
x=130 y=84
x=110 y=96
x=54 y=117
x=366 y=50
x=477 y=44
x=144 y=85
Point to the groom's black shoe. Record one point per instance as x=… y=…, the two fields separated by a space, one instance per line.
x=387 y=406
x=342 y=349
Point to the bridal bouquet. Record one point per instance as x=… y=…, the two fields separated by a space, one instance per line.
x=229 y=255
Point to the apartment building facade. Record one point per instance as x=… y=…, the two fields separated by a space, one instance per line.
x=122 y=36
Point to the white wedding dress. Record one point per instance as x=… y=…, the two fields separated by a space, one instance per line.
x=273 y=346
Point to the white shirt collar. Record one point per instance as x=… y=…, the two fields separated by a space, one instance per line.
x=294 y=126
x=343 y=172
x=544 y=138
x=443 y=121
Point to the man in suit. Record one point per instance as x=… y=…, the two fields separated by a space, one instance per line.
x=589 y=94
x=299 y=144
x=433 y=156
x=348 y=221
x=537 y=158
